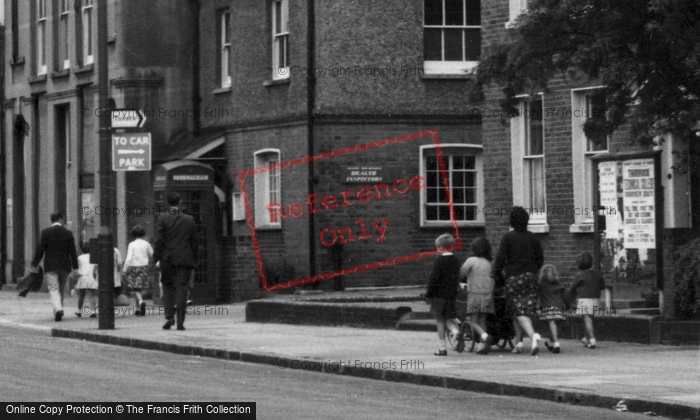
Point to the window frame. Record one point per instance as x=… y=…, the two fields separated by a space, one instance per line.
x=443 y=67
x=225 y=48
x=266 y=158
x=447 y=151
x=41 y=26
x=582 y=166
x=88 y=23
x=62 y=35
x=515 y=9
x=521 y=159
x=280 y=39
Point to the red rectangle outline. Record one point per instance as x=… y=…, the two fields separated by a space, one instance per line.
x=360 y=268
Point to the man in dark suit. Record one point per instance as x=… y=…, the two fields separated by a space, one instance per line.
x=176 y=251
x=57 y=248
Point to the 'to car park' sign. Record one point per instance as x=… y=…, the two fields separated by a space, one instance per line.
x=131 y=152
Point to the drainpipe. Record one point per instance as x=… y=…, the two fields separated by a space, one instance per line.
x=3 y=194
x=310 y=105
x=196 y=123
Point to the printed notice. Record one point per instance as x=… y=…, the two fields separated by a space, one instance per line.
x=607 y=184
x=639 y=211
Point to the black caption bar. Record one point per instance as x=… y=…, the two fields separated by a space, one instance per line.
x=113 y=410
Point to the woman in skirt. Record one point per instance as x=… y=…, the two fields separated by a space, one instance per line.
x=519 y=260
x=136 y=266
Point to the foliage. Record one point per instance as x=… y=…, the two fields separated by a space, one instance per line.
x=645 y=52
x=686 y=280
x=651 y=299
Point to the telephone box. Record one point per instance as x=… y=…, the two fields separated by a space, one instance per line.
x=194 y=182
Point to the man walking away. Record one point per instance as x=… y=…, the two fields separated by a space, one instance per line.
x=177 y=247
x=57 y=248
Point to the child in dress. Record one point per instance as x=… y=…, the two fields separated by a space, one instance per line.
x=587 y=286
x=136 y=266
x=87 y=283
x=477 y=271
x=552 y=303
x=442 y=289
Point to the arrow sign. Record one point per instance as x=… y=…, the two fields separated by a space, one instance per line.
x=131 y=152
x=127 y=118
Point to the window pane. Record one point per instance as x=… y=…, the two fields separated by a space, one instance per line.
x=473 y=12
x=432 y=45
x=442 y=197
x=536 y=133
x=536 y=180
x=458 y=162
x=431 y=195
x=431 y=213
x=278 y=17
x=443 y=213
x=431 y=163
x=470 y=179
x=453 y=44
x=472 y=45
x=454 y=13
x=458 y=195
x=432 y=179
x=457 y=179
x=470 y=213
x=469 y=162
x=470 y=195
x=595 y=105
x=459 y=213
x=433 y=12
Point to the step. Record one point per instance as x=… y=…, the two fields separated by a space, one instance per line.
x=646 y=311
x=417 y=325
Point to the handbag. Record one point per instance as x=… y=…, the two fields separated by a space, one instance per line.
x=32 y=281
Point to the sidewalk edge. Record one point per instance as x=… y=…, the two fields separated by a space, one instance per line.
x=460 y=384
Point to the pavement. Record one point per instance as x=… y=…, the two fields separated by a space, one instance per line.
x=662 y=380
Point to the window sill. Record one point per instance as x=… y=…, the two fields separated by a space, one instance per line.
x=268 y=227
x=274 y=82
x=84 y=69
x=538 y=228
x=19 y=62
x=59 y=74
x=36 y=79
x=443 y=225
x=217 y=91
x=463 y=76
x=581 y=228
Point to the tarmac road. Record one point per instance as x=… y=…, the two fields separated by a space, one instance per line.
x=37 y=367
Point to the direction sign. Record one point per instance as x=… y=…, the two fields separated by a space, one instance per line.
x=127 y=118
x=131 y=152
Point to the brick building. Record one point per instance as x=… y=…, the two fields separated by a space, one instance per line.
x=51 y=110
x=285 y=79
x=541 y=159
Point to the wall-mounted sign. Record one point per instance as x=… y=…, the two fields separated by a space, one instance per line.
x=639 y=208
x=367 y=174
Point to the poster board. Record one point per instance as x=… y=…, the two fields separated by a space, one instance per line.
x=629 y=218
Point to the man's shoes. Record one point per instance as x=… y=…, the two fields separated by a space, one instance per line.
x=78 y=314
x=137 y=312
x=181 y=328
x=143 y=308
x=441 y=353
x=169 y=323
x=189 y=303
x=93 y=315
x=58 y=316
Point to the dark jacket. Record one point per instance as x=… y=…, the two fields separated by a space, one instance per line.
x=553 y=295
x=519 y=253
x=587 y=285
x=177 y=243
x=57 y=248
x=444 y=278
